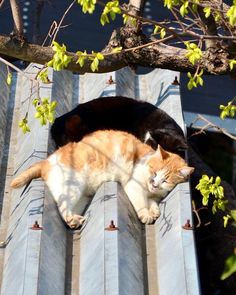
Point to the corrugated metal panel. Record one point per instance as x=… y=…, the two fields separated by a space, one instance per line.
x=55 y=261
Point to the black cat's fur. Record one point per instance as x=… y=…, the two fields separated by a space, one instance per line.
x=147 y=122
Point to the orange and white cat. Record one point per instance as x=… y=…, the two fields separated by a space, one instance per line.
x=74 y=172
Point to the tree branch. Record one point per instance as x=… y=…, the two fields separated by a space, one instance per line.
x=39 y=54
x=147 y=52
x=16 y=14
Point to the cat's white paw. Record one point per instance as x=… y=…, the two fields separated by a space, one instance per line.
x=145 y=216
x=154 y=211
x=75 y=221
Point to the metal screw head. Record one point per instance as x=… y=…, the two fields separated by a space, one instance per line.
x=110 y=81
x=36 y=226
x=187 y=225
x=111 y=226
x=175 y=82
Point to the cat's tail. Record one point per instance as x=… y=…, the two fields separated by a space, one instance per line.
x=26 y=176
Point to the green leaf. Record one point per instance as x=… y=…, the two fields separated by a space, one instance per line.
x=94 y=64
x=130 y=19
x=228 y=110
x=60 y=59
x=37 y=115
x=218 y=180
x=23 y=124
x=168 y=4
x=162 y=33
x=9 y=78
x=112 y=9
x=194 y=53
x=43 y=76
x=35 y=102
x=156 y=29
x=232 y=63
x=231 y=14
x=104 y=19
x=190 y=85
x=117 y=49
x=226 y=219
x=51 y=117
x=87 y=5
x=82 y=56
x=230 y=267
x=53 y=105
x=217 y=16
x=100 y=56
x=183 y=9
x=208 y=187
x=233 y=214
x=207 y=11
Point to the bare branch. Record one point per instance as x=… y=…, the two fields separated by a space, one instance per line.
x=1 y=3
x=136 y=6
x=18 y=24
x=209 y=28
x=209 y=125
x=62 y=19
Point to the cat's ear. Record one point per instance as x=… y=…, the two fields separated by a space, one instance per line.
x=186 y=171
x=161 y=153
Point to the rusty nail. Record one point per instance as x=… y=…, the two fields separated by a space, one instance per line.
x=110 y=81
x=187 y=225
x=36 y=226
x=175 y=82
x=111 y=226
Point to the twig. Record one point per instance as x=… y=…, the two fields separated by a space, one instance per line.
x=210 y=125
x=16 y=14
x=178 y=20
x=62 y=19
x=1 y=3
x=196 y=212
x=18 y=70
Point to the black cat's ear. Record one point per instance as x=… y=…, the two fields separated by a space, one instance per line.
x=186 y=171
x=162 y=153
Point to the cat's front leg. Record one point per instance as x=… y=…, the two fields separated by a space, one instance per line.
x=154 y=209
x=74 y=221
x=138 y=199
x=145 y=216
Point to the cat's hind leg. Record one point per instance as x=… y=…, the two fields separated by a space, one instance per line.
x=68 y=191
x=70 y=208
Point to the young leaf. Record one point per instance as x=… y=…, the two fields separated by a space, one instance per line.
x=207 y=11
x=226 y=219
x=23 y=124
x=117 y=49
x=87 y=5
x=9 y=78
x=162 y=33
x=43 y=76
x=233 y=214
x=230 y=267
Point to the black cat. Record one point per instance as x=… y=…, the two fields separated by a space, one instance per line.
x=147 y=122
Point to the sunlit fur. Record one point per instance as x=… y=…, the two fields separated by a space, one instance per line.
x=74 y=172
